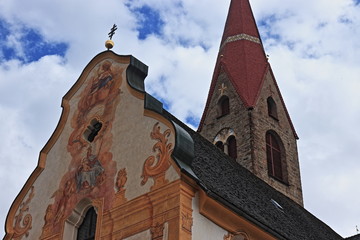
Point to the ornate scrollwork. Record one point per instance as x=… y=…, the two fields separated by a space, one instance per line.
x=187 y=221
x=157 y=230
x=23 y=223
x=156 y=166
x=236 y=236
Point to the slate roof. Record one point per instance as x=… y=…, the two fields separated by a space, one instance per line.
x=356 y=237
x=237 y=188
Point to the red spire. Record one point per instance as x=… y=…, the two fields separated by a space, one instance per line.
x=241 y=52
x=240 y=20
x=241 y=55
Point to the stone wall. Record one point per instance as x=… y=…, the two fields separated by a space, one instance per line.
x=250 y=126
x=237 y=119
x=262 y=123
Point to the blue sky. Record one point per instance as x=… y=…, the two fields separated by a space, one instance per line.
x=33 y=45
x=314 y=52
x=149 y=22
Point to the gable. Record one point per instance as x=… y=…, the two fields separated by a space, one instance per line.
x=270 y=88
x=128 y=155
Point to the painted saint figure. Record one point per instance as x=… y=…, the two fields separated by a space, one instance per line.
x=89 y=172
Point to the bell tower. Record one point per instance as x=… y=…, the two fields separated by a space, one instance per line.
x=245 y=115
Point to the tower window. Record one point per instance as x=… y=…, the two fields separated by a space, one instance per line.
x=220 y=145
x=275 y=157
x=232 y=147
x=87 y=229
x=224 y=106
x=272 y=109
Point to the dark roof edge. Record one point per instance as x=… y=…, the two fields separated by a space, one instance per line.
x=183 y=152
x=136 y=73
x=151 y=103
x=235 y=209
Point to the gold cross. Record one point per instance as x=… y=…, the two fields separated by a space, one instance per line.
x=222 y=89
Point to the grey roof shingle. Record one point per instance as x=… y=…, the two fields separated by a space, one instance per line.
x=356 y=237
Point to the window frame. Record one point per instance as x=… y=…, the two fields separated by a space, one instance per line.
x=232 y=147
x=76 y=217
x=223 y=106
x=276 y=157
x=272 y=108
x=86 y=226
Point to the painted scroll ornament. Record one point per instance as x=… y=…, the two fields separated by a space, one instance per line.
x=23 y=223
x=156 y=166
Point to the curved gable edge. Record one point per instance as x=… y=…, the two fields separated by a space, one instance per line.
x=136 y=73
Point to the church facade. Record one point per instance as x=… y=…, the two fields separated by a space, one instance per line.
x=119 y=166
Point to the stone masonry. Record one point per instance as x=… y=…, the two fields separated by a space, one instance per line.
x=250 y=126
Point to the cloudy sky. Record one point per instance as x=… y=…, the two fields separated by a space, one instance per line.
x=314 y=51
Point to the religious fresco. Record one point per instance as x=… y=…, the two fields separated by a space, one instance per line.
x=92 y=171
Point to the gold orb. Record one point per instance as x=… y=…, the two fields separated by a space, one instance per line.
x=109 y=44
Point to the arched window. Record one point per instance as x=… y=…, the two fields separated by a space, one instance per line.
x=220 y=145
x=232 y=147
x=224 y=106
x=275 y=157
x=272 y=109
x=87 y=229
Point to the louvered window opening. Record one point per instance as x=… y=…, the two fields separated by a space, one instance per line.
x=232 y=147
x=273 y=153
x=225 y=106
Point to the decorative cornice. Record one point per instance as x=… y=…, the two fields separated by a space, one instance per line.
x=186 y=221
x=239 y=37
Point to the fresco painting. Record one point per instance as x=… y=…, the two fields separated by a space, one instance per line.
x=92 y=170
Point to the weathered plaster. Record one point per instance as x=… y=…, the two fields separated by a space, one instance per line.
x=203 y=228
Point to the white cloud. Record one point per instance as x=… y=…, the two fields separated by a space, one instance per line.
x=315 y=60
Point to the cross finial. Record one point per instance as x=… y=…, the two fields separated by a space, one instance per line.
x=109 y=44
x=112 y=31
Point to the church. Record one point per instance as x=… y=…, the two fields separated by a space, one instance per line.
x=120 y=166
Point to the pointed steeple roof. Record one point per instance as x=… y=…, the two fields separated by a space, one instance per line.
x=242 y=57
x=241 y=54
x=240 y=20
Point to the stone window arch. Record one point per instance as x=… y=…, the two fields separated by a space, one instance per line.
x=82 y=217
x=272 y=108
x=276 y=157
x=223 y=106
x=225 y=140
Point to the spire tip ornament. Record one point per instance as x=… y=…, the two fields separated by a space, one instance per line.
x=109 y=44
